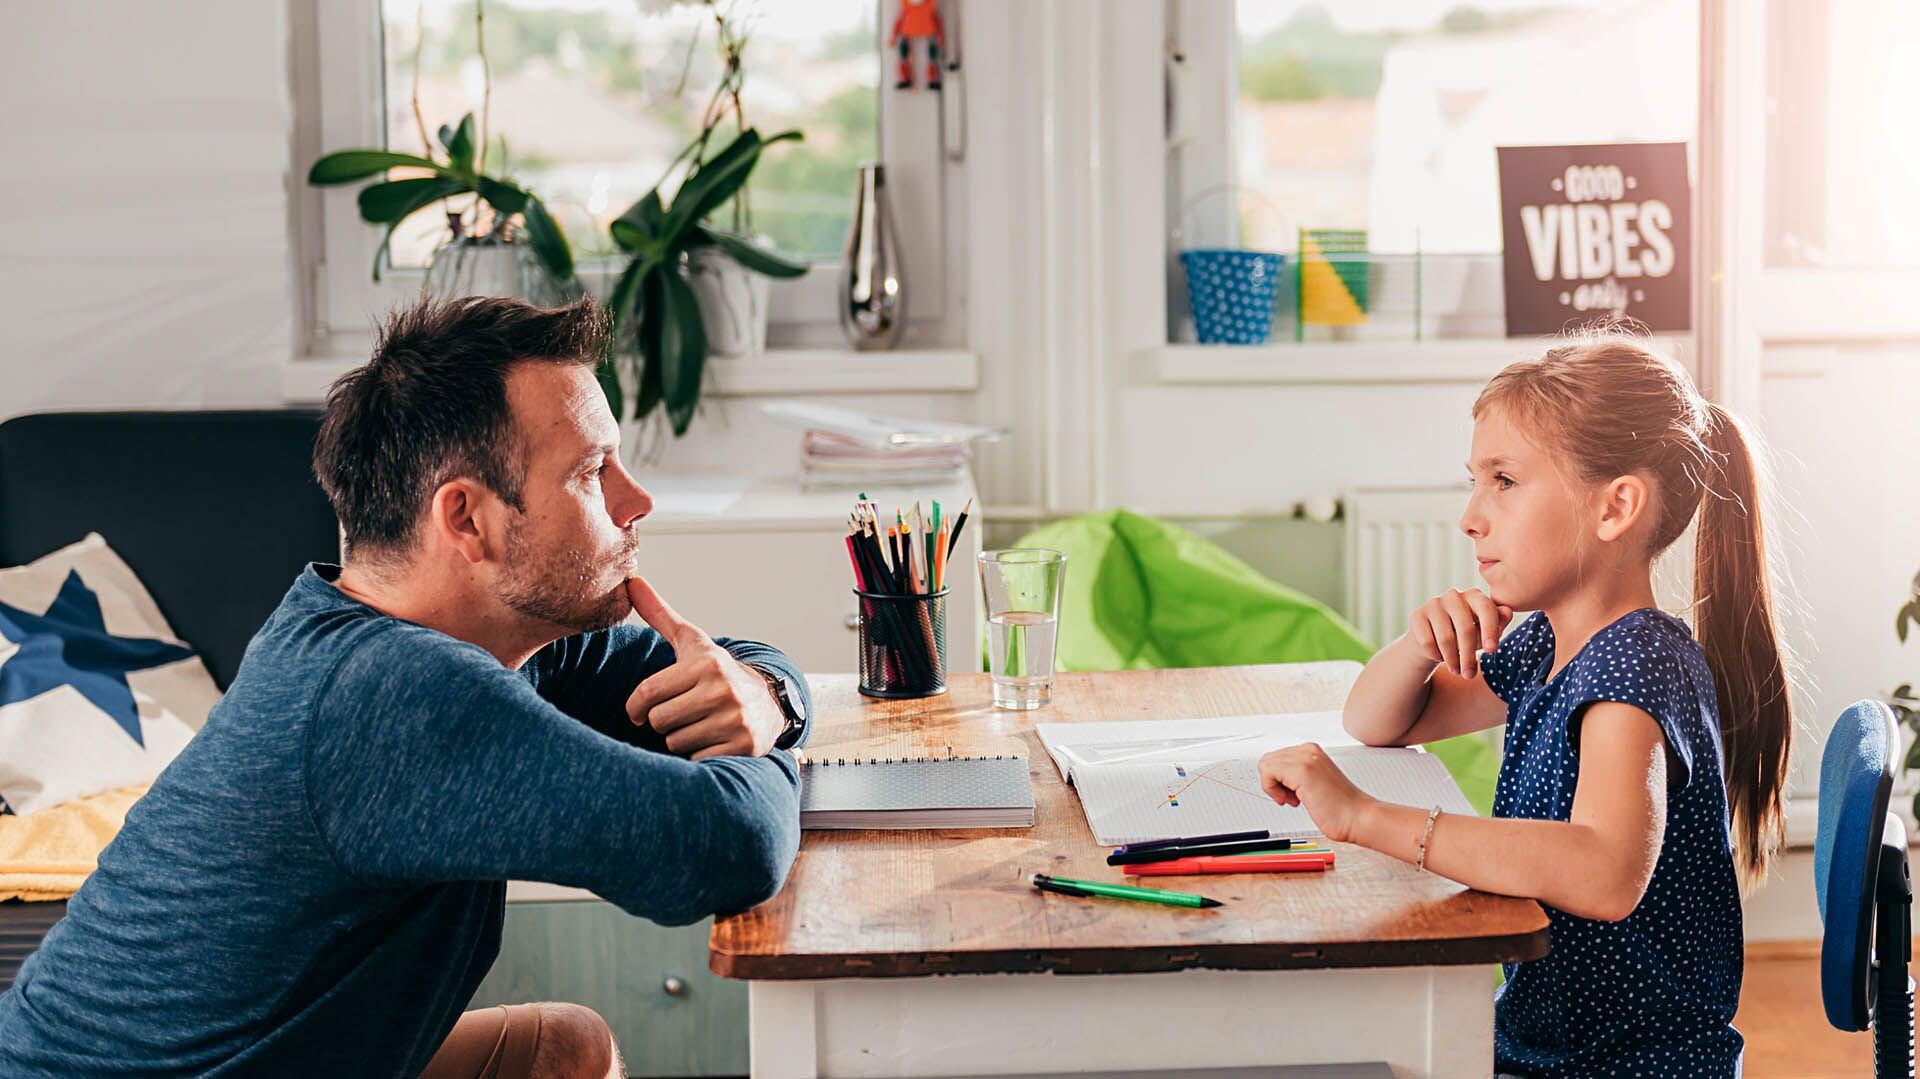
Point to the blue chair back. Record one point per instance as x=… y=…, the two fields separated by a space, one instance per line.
x=1856 y=780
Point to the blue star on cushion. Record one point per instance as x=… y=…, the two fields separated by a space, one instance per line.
x=68 y=645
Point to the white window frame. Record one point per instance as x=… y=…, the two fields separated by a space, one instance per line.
x=1203 y=90
x=339 y=300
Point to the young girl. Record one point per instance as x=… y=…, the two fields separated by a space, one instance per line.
x=1642 y=783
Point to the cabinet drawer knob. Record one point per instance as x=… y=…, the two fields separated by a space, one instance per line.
x=674 y=986
x=853 y=623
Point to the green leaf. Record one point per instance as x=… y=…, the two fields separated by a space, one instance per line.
x=651 y=319
x=1908 y=613
x=722 y=177
x=683 y=350
x=641 y=222
x=626 y=235
x=346 y=166
x=753 y=256
x=387 y=203
x=716 y=181
x=1903 y=691
x=1916 y=805
x=502 y=196
x=459 y=144
x=608 y=375
x=1913 y=756
x=621 y=302
x=427 y=196
x=548 y=241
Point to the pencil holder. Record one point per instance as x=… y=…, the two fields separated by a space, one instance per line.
x=903 y=644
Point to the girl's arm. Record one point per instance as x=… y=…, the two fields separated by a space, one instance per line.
x=1595 y=865
x=1426 y=685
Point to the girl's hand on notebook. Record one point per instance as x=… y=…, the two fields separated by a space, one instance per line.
x=1305 y=776
x=1451 y=629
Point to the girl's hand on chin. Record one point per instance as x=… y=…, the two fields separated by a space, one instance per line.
x=1305 y=776
x=1451 y=629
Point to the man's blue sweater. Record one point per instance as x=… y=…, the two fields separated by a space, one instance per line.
x=316 y=885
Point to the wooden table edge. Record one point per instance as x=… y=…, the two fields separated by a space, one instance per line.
x=1467 y=951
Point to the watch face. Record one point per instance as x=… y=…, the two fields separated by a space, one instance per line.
x=790 y=693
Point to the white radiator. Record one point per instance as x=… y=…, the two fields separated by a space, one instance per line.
x=1404 y=546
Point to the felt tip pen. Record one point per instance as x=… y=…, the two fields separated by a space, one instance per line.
x=1192 y=841
x=1242 y=863
x=1245 y=846
x=1067 y=886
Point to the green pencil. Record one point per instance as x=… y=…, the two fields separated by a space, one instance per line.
x=1069 y=886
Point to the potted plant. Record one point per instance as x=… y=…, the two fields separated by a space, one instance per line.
x=653 y=302
x=1905 y=704
x=459 y=171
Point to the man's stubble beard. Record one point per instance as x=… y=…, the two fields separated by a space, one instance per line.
x=561 y=587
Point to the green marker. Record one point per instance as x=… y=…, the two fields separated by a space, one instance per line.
x=1068 y=886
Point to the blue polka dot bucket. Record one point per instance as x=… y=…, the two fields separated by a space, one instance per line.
x=1232 y=293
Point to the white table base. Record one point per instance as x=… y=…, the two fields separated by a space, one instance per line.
x=1420 y=1021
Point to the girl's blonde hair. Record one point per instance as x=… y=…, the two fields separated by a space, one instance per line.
x=1613 y=408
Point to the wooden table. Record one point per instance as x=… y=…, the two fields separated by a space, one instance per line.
x=1372 y=961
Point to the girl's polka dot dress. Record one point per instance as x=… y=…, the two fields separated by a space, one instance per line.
x=1652 y=994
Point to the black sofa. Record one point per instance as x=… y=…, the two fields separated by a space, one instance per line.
x=215 y=511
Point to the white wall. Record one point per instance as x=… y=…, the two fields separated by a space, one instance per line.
x=143 y=209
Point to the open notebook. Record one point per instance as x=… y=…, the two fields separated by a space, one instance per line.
x=1129 y=802
x=917 y=792
x=1164 y=778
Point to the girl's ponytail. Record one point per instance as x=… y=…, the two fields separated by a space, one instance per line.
x=1733 y=621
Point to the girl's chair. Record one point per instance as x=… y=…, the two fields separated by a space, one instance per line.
x=1860 y=877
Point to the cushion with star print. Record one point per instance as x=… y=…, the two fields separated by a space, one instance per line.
x=96 y=692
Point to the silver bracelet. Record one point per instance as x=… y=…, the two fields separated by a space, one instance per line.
x=1420 y=860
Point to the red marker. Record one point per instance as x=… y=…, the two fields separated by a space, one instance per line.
x=1305 y=862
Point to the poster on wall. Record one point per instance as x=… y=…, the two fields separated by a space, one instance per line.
x=1592 y=232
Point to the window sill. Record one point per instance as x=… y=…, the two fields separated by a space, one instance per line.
x=1358 y=362
x=771 y=373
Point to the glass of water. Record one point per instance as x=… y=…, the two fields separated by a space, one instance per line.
x=1022 y=589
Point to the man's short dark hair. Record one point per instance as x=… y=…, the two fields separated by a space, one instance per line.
x=431 y=406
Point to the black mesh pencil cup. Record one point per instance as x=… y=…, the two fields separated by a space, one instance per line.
x=903 y=644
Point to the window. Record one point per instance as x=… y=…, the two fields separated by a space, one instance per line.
x=1383 y=119
x=590 y=100
x=1842 y=162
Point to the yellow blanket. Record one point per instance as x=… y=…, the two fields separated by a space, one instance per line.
x=47 y=854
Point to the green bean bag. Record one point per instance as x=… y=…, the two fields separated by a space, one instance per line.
x=1143 y=594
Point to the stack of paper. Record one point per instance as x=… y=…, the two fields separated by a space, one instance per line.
x=842 y=447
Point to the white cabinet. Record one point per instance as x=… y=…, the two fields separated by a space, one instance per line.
x=760 y=558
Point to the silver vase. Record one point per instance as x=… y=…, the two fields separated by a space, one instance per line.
x=873 y=305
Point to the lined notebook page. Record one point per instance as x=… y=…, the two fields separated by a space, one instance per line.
x=1133 y=803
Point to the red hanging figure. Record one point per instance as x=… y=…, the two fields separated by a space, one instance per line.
x=919 y=19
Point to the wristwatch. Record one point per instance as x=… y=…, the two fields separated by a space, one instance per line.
x=792 y=702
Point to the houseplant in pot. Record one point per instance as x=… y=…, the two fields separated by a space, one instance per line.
x=662 y=331
x=1903 y=699
x=501 y=216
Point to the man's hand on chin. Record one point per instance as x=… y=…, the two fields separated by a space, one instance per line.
x=708 y=703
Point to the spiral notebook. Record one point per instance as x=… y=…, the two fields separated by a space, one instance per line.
x=916 y=792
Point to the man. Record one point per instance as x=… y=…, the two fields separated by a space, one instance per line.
x=316 y=885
